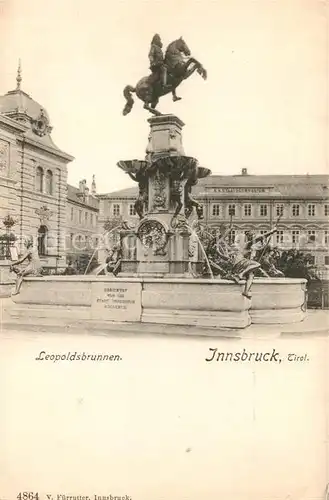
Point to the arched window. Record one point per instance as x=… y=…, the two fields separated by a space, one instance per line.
x=42 y=240
x=49 y=182
x=39 y=179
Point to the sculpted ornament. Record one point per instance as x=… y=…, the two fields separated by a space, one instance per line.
x=138 y=172
x=159 y=195
x=40 y=126
x=179 y=224
x=193 y=246
x=4 y=155
x=44 y=213
x=153 y=235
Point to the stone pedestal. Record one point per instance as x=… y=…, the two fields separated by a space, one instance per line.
x=165 y=137
x=162 y=238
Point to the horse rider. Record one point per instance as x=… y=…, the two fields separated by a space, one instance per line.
x=157 y=65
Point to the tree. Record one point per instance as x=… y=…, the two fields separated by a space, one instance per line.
x=296 y=264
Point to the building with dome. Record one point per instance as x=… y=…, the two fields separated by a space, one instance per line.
x=33 y=175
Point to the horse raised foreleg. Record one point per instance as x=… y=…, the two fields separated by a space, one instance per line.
x=197 y=66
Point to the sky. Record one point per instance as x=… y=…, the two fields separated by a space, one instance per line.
x=264 y=106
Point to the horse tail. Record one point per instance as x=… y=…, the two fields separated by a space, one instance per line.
x=130 y=101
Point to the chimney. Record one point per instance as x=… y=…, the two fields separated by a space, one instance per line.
x=83 y=190
x=82 y=185
x=244 y=171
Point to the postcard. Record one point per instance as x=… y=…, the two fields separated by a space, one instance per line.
x=164 y=265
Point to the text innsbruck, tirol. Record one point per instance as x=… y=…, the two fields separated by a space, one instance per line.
x=244 y=355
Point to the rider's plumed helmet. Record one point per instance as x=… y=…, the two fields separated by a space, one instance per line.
x=156 y=40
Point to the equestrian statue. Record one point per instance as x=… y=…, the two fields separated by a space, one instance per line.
x=168 y=72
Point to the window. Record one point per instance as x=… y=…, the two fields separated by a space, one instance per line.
x=80 y=216
x=311 y=236
x=295 y=210
x=326 y=210
x=263 y=210
x=262 y=231
x=231 y=210
x=326 y=260
x=295 y=236
x=279 y=237
x=72 y=213
x=86 y=218
x=200 y=214
x=232 y=237
x=216 y=210
x=91 y=219
x=311 y=210
x=247 y=210
x=42 y=240
x=39 y=179
x=279 y=210
x=49 y=182
x=132 y=210
x=326 y=237
x=116 y=210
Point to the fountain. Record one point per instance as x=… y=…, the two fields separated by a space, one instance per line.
x=160 y=280
x=162 y=258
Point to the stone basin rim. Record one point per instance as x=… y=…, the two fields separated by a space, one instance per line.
x=201 y=281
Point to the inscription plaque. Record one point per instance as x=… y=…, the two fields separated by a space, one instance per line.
x=116 y=301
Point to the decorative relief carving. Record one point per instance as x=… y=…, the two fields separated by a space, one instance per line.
x=153 y=236
x=159 y=199
x=172 y=133
x=40 y=126
x=179 y=224
x=44 y=213
x=192 y=248
x=4 y=155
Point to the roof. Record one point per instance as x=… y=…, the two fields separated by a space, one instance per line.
x=74 y=195
x=122 y=193
x=17 y=101
x=285 y=186
x=19 y=106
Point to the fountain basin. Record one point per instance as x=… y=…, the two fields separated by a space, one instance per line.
x=203 y=303
x=6 y=279
x=278 y=301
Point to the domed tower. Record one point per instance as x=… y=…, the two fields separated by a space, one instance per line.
x=33 y=174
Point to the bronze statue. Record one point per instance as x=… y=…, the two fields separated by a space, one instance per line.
x=34 y=267
x=267 y=259
x=190 y=202
x=157 y=64
x=167 y=74
x=238 y=267
x=141 y=178
x=256 y=243
x=255 y=248
x=112 y=263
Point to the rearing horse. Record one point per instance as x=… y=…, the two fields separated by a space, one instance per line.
x=179 y=68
